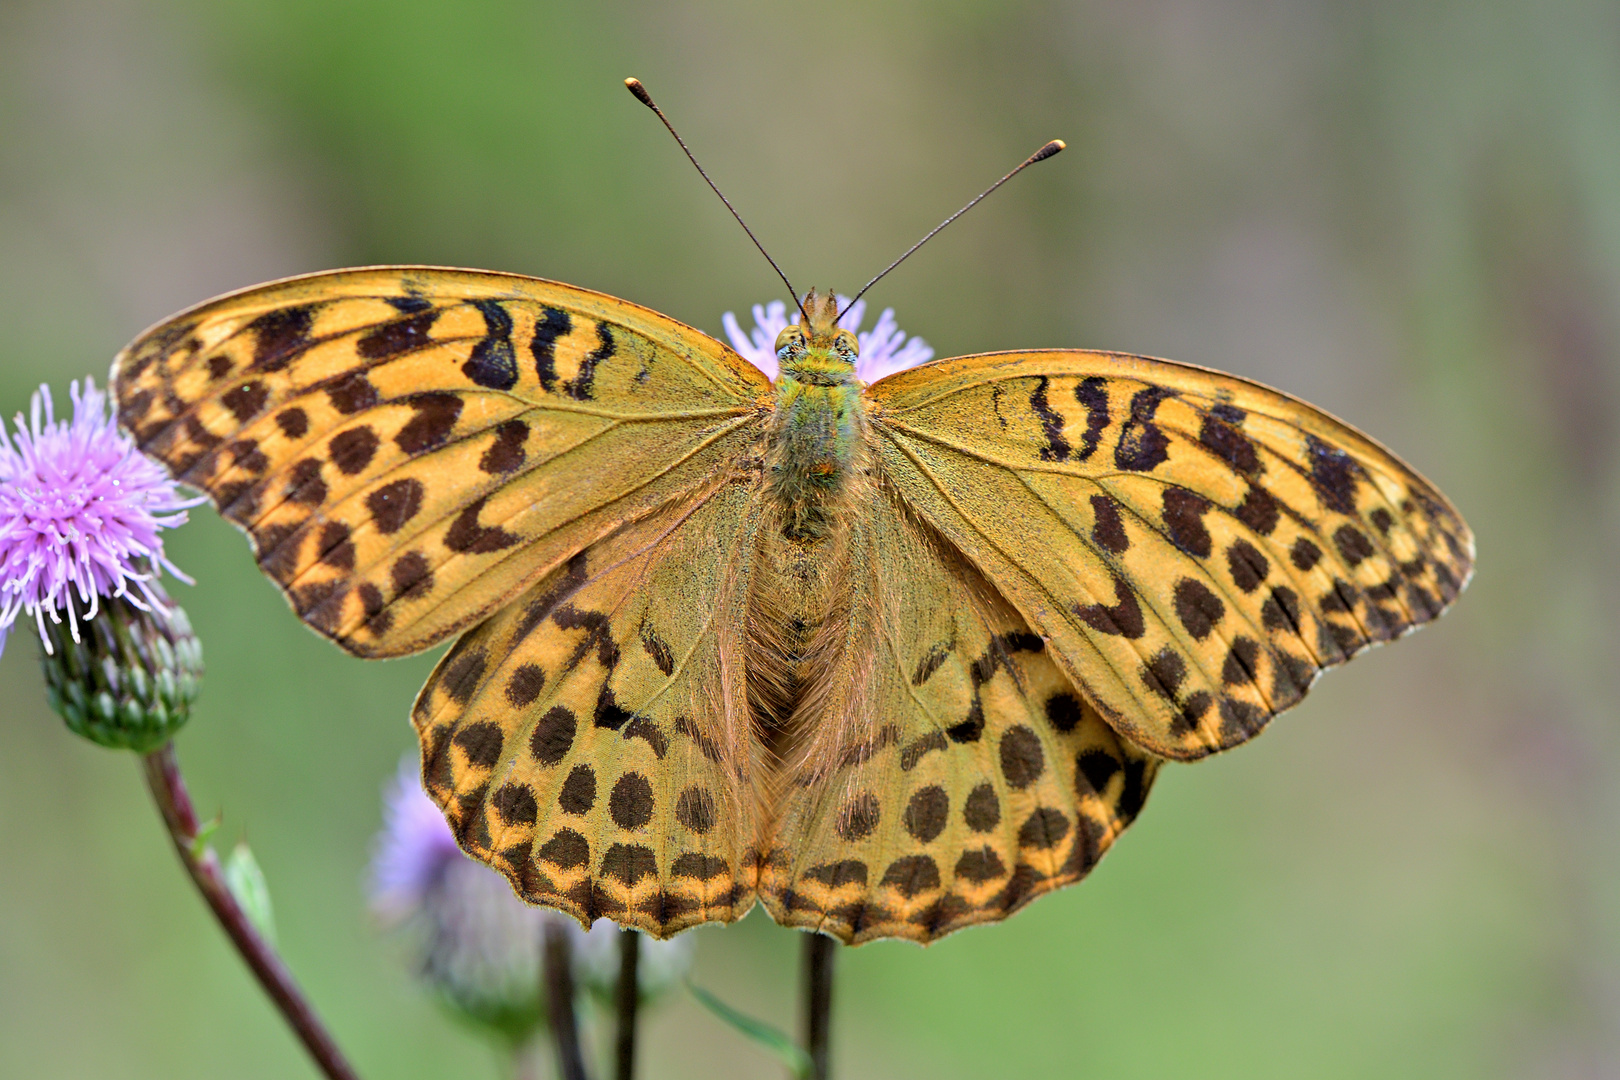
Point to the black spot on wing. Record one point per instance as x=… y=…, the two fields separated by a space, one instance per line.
x=926 y=813
x=657 y=648
x=1092 y=394
x=554 y=323
x=352 y=450
x=294 y=422
x=1142 y=446
x=629 y=863
x=697 y=810
x=582 y=386
x=402 y=336
x=1333 y=475
x=467 y=537
x=493 y=364
x=1220 y=436
x=435 y=417
x=609 y=713
x=1353 y=544
x=1057 y=447
x=1107 y=528
x=566 y=850
x=696 y=865
x=1095 y=767
x=409 y=303
x=553 y=735
x=506 y=454
x=645 y=730
x=393 y=504
x=246 y=401
x=1197 y=607
x=578 y=792
x=912 y=874
x=631 y=804
x=481 y=742
x=1063 y=712
x=1258 y=510
x=930 y=663
x=1022 y=760
x=914 y=752
x=981 y=812
x=515 y=804
x=1183 y=521
x=859 y=817
x=1164 y=673
x=280 y=335
x=523 y=686
x=837 y=874
x=1123 y=618
x=1247 y=565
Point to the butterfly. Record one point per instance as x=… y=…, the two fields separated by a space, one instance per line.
x=892 y=659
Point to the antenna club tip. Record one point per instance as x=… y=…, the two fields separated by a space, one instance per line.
x=634 y=86
x=1049 y=150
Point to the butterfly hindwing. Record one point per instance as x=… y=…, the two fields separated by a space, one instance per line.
x=1195 y=547
x=410 y=447
x=977 y=779
x=592 y=740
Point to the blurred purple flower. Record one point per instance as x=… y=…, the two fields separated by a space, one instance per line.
x=412 y=850
x=80 y=513
x=884 y=348
x=479 y=944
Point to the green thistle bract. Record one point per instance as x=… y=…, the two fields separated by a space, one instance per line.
x=130 y=679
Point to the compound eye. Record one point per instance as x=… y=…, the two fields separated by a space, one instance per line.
x=791 y=339
x=848 y=345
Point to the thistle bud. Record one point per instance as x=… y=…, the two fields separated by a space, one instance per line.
x=129 y=680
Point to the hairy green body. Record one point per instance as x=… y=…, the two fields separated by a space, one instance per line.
x=813 y=440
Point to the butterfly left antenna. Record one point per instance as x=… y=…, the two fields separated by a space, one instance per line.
x=635 y=87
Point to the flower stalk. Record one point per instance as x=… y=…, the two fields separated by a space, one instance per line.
x=627 y=995
x=819 y=954
x=162 y=769
x=557 y=968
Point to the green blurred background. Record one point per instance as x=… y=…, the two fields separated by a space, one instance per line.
x=1407 y=212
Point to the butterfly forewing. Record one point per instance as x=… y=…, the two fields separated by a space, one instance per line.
x=411 y=447
x=592 y=740
x=977 y=781
x=1195 y=547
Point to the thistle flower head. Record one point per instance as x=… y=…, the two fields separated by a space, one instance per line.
x=81 y=512
x=885 y=349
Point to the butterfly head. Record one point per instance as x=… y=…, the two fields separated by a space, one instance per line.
x=818 y=345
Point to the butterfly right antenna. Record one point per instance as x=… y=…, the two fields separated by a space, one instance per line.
x=1040 y=155
x=635 y=87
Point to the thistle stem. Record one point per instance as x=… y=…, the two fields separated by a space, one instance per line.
x=818 y=984
x=162 y=769
x=558 y=972
x=628 y=1001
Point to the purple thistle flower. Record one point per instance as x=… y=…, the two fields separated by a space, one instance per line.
x=884 y=348
x=80 y=513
